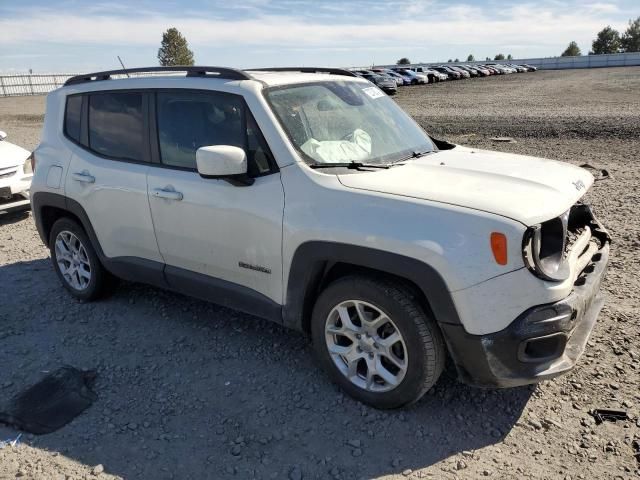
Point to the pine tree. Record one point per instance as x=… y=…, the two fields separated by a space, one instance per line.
x=174 y=49
x=471 y=58
x=572 y=50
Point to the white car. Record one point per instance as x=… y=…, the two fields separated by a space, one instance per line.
x=15 y=176
x=310 y=198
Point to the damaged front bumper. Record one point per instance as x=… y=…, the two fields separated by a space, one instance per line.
x=543 y=342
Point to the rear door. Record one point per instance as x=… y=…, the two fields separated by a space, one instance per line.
x=108 y=172
x=211 y=231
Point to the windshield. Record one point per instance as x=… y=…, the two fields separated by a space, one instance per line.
x=337 y=122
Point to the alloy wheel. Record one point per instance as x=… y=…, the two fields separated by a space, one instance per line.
x=72 y=260
x=366 y=346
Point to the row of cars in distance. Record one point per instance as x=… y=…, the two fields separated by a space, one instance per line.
x=389 y=79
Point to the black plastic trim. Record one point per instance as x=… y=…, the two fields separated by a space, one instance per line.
x=191 y=71
x=312 y=259
x=222 y=293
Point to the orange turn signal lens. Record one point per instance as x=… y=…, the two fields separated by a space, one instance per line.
x=499 y=247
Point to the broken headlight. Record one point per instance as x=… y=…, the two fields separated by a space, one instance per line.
x=543 y=249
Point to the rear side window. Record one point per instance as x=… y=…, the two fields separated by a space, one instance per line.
x=190 y=120
x=116 y=125
x=72 y=117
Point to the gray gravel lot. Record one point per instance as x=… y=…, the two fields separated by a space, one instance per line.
x=191 y=390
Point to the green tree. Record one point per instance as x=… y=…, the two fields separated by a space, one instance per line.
x=403 y=61
x=499 y=56
x=631 y=37
x=607 y=41
x=174 y=49
x=509 y=57
x=572 y=50
x=457 y=60
x=487 y=59
x=450 y=60
x=471 y=58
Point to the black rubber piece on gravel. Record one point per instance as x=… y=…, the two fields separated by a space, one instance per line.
x=52 y=402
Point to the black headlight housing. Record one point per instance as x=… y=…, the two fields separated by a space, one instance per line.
x=543 y=249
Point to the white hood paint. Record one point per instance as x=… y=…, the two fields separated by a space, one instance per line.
x=527 y=189
x=12 y=155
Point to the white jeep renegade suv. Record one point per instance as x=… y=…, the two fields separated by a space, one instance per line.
x=308 y=197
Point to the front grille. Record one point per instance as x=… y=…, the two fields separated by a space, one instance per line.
x=5 y=193
x=585 y=236
x=6 y=174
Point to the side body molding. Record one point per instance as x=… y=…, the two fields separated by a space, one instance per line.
x=313 y=259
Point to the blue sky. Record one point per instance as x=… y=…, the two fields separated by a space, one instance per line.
x=76 y=36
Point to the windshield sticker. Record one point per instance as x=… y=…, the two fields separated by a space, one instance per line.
x=373 y=92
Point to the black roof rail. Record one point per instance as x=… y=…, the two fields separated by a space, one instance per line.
x=214 y=72
x=331 y=71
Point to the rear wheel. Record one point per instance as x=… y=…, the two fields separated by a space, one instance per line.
x=76 y=262
x=376 y=341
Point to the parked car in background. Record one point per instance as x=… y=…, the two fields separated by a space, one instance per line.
x=517 y=68
x=463 y=72
x=415 y=78
x=530 y=68
x=482 y=71
x=387 y=84
x=400 y=80
x=452 y=74
x=472 y=71
x=433 y=75
x=503 y=68
x=16 y=171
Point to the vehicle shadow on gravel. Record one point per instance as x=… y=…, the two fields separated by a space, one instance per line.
x=191 y=390
x=13 y=217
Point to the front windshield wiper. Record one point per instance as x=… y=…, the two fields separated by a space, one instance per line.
x=350 y=165
x=413 y=155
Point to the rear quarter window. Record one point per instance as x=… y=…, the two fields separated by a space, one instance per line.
x=72 y=117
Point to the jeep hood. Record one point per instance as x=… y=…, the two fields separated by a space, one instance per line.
x=527 y=189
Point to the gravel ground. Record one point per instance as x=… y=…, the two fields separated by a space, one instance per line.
x=213 y=393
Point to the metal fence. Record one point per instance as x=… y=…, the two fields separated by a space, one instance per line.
x=40 y=84
x=31 y=84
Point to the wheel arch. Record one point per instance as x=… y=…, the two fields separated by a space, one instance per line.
x=49 y=207
x=315 y=264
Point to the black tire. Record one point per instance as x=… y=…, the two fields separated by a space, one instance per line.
x=424 y=344
x=101 y=281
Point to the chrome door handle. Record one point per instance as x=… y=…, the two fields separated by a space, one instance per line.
x=168 y=194
x=84 y=177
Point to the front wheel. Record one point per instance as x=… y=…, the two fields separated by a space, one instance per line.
x=376 y=341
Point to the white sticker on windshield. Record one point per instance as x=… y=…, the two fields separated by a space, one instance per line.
x=373 y=92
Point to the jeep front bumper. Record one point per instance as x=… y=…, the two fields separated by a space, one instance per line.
x=543 y=342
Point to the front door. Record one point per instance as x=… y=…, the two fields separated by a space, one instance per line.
x=209 y=229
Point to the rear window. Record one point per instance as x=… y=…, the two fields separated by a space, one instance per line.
x=72 y=117
x=116 y=126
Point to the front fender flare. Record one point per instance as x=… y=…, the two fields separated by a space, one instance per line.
x=310 y=260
